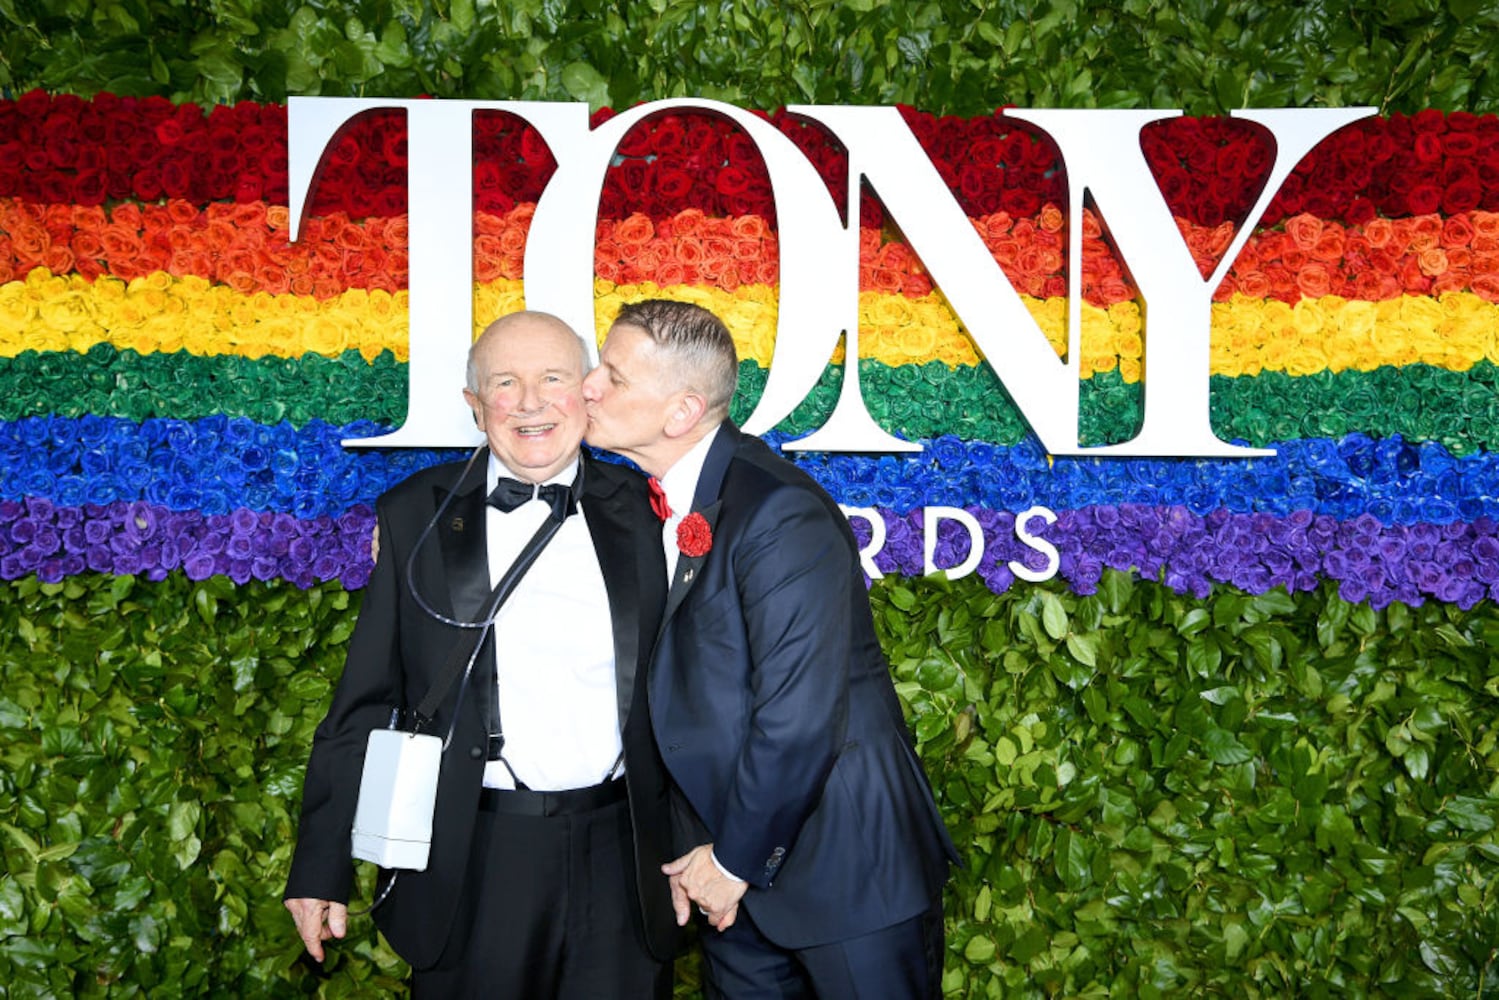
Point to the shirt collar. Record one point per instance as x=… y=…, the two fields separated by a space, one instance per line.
x=680 y=481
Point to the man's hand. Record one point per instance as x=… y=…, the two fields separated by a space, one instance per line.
x=318 y=920
x=696 y=880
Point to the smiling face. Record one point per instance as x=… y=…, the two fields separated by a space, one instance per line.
x=527 y=394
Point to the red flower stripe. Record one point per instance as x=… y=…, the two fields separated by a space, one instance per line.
x=244 y=246
x=64 y=150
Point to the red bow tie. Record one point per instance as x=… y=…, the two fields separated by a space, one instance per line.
x=658 y=499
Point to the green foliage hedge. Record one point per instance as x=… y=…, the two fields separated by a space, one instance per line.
x=1268 y=796
x=943 y=56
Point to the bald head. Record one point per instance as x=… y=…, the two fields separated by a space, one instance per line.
x=527 y=320
x=525 y=386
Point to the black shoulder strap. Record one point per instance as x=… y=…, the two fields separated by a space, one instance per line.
x=462 y=654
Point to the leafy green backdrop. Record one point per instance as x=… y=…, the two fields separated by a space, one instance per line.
x=945 y=56
x=1267 y=796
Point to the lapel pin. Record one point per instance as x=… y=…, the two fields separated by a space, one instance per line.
x=687 y=576
x=457 y=524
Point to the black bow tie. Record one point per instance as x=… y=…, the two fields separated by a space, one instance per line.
x=511 y=493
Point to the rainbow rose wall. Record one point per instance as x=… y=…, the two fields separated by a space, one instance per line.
x=1197 y=725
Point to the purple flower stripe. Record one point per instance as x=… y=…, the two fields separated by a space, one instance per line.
x=1457 y=563
x=37 y=536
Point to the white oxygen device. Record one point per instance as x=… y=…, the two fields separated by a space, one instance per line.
x=397 y=796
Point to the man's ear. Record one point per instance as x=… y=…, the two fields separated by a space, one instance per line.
x=473 y=404
x=685 y=413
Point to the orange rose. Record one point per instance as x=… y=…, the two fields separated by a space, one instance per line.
x=1313 y=280
x=397 y=232
x=89 y=217
x=278 y=217
x=301 y=284
x=352 y=237
x=753 y=227
x=1378 y=232
x=58 y=258
x=728 y=276
x=1304 y=230
x=768 y=271
x=1485 y=224
x=1051 y=218
x=687 y=222
x=1457 y=231
x=87 y=244
x=272 y=279
x=513 y=237
x=1254 y=284
x=1486 y=287
x=1448 y=282
x=1331 y=244
x=637 y=229
x=30 y=240
x=670 y=273
x=1092 y=229
x=487 y=253
x=917 y=285
x=1426 y=232
x=998 y=224
x=121 y=243
x=689 y=250
x=606 y=269
x=1433 y=261
x=1459 y=258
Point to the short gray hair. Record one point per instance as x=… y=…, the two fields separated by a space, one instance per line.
x=698 y=347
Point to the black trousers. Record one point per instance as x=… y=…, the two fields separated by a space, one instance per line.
x=551 y=912
x=901 y=962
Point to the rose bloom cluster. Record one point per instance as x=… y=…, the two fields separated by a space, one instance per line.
x=213 y=465
x=1456 y=563
x=161 y=313
x=1379 y=259
x=242 y=246
x=37 y=536
x=65 y=150
x=1396 y=481
x=687 y=248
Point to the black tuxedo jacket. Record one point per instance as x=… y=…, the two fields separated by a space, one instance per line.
x=395 y=650
x=776 y=715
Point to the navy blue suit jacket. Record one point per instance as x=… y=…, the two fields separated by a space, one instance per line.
x=776 y=715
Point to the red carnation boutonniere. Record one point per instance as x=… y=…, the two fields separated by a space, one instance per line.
x=694 y=537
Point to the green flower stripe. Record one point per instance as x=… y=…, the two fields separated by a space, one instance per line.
x=1419 y=402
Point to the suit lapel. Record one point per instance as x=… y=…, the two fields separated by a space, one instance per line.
x=617 y=532
x=705 y=501
x=465 y=556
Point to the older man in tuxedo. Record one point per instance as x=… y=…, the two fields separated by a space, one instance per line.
x=812 y=844
x=552 y=816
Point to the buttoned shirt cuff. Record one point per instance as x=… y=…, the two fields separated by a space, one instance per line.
x=722 y=870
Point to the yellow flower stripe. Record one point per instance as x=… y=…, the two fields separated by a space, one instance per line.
x=162 y=313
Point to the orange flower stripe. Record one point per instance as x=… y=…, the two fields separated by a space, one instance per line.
x=245 y=247
x=163 y=313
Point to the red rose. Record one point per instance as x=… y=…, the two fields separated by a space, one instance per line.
x=694 y=537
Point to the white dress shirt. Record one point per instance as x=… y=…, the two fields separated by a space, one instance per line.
x=554 y=644
x=680 y=484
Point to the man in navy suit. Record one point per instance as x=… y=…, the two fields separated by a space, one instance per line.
x=811 y=842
